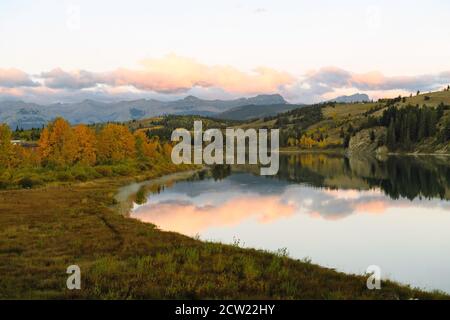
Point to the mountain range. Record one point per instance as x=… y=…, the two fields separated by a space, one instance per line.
x=25 y=115
x=31 y=115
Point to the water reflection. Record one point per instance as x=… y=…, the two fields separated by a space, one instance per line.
x=191 y=208
x=346 y=213
x=408 y=177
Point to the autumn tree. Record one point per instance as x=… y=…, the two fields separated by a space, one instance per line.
x=145 y=147
x=86 y=144
x=24 y=157
x=57 y=144
x=6 y=148
x=307 y=142
x=167 y=150
x=115 y=143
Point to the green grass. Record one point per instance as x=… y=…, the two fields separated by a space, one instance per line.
x=32 y=177
x=433 y=100
x=44 y=230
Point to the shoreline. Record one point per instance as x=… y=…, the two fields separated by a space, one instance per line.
x=127 y=190
x=345 y=152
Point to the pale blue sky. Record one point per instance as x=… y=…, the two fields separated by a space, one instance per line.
x=396 y=38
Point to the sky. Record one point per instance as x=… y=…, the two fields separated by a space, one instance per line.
x=308 y=51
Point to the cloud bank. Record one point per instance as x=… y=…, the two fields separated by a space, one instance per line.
x=173 y=75
x=11 y=78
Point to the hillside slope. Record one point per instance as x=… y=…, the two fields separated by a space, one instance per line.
x=249 y=112
x=420 y=124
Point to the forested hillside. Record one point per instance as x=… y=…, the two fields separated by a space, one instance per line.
x=401 y=124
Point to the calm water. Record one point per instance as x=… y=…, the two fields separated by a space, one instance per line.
x=344 y=213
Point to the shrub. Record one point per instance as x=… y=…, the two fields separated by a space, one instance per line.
x=29 y=182
x=105 y=171
x=123 y=170
x=3 y=183
x=81 y=176
x=5 y=178
x=64 y=176
x=143 y=166
x=83 y=173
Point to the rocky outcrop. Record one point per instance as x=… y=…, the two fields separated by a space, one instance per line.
x=368 y=141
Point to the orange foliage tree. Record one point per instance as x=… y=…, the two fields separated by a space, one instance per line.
x=115 y=143
x=24 y=157
x=57 y=144
x=145 y=147
x=86 y=145
x=167 y=150
x=13 y=156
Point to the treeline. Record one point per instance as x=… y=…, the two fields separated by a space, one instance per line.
x=27 y=135
x=78 y=152
x=397 y=177
x=294 y=123
x=164 y=126
x=411 y=124
x=408 y=177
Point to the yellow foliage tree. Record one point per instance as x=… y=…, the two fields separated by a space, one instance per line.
x=6 y=148
x=24 y=157
x=44 y=149
x=291 y=142
x=115 y=143
x=57 y=144
x=167 y=150
x=307 y=142
x=86 y=145
x=145 y=148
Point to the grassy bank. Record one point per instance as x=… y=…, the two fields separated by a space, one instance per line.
x=44 y=230
x=340 y=151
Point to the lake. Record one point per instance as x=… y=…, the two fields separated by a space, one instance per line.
x=346 y=213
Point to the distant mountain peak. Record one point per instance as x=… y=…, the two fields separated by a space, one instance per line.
x=261 y=99
x=267 y=99
x=357 y=97
x=191 y=98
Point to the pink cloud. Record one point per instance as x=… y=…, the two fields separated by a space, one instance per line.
x=172 y=74
x=374 y=207
x=175 y=75
x=191 y=219
x=11 y=78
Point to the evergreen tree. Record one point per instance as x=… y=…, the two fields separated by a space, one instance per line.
x=372 y=136
x=350 y=129
x=391 y=141
x=347 y=140
x=421 y=132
